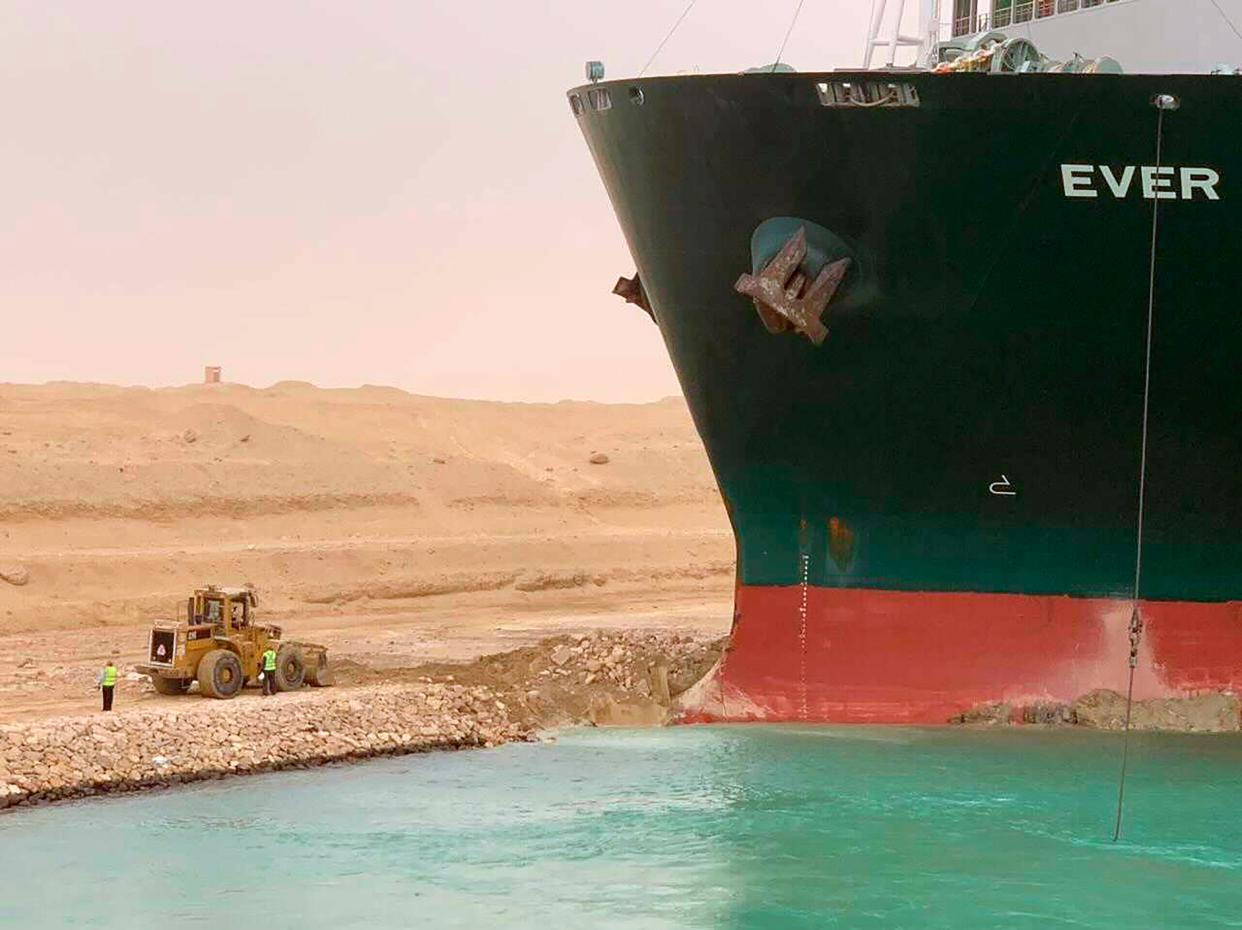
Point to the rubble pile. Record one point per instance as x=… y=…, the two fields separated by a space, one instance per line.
x=1103 y=709
x=604 y=678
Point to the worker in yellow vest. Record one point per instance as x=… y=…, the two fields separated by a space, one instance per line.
x=106 y=682
x=269 y=672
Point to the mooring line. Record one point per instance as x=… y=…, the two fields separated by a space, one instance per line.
x=1225 y=16
x=1162 y=102
x=668 y=35
x=788 y=32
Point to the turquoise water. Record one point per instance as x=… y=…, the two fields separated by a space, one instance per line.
x=780 y=827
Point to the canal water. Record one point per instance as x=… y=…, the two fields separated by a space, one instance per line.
x=763 y=827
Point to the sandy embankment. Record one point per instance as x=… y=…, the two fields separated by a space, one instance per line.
x=398 y=530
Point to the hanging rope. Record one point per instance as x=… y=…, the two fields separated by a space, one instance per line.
x=668 y=35
x=1225 y=17
x=788 y=32
x=1162 y=103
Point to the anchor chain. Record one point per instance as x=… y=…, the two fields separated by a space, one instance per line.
x=1163 y=103
x=1136 y=637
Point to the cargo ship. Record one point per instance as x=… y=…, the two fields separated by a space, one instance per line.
x=962 y=338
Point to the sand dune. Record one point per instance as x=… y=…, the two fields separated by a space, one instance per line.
x=115 y=501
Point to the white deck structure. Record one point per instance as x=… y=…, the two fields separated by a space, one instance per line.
x=1146 y=36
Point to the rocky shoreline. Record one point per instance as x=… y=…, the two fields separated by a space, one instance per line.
x=623 y=678
x=73 y=757
x=627 y=678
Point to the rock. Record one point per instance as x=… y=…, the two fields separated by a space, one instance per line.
x=14 y=575
x=189 y=436
x=659 y=684
x=1101 y=709
x=1047 y=713
x=605 y=712
x=990 y=714
x=1205 y=713
x=598 y=458
x=681 y=680
x=561 y=655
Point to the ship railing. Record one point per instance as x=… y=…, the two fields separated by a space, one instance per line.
x=1007 y=13
x=969 y=25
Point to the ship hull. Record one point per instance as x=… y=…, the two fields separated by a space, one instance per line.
x=950 y=482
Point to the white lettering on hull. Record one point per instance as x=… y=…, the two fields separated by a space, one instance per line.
x=1155 y=183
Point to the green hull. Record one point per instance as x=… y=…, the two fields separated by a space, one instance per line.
x=992 y=326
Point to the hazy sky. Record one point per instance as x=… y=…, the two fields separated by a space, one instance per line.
x=339 y=192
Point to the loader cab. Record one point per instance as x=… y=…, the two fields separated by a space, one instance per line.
x=231 y=608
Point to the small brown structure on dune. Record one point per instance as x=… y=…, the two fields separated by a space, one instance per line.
x=211 y=374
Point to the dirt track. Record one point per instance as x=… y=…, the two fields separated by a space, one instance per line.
x=50 y=673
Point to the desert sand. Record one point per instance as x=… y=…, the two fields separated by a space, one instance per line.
x=394 y=528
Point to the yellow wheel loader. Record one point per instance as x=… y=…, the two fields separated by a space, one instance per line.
x=220 y=644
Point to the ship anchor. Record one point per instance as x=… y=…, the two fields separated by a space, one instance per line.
x=631 y=290
x=785 y=296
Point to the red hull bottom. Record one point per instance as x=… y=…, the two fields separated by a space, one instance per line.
x=867 y=656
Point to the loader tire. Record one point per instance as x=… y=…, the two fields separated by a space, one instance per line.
x=290 y=668
x=220 y=674
x=170 y=685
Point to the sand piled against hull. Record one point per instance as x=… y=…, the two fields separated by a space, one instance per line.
x=1102 y=709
